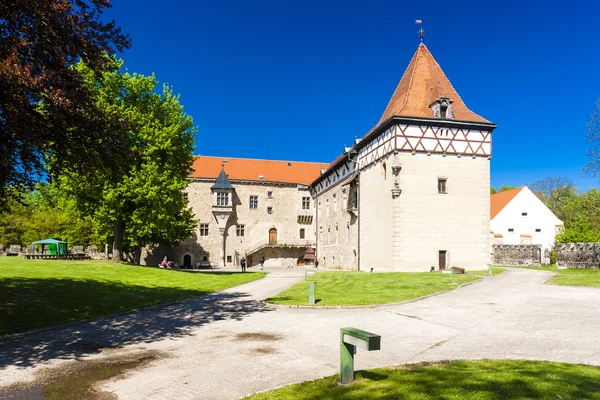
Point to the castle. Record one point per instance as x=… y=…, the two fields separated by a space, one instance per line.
x=412 y=193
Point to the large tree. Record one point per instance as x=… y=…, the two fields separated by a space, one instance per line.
x=40 y=41
x=555 y=193
x=144 y=204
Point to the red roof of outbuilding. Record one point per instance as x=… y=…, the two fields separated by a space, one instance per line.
x=499 y=200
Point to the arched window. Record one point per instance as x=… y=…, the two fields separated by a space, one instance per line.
x=187 y=260
x=302 y=233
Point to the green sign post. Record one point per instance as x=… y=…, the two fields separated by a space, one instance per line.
x=311 y=292
x=450 y=271
x=350 y=338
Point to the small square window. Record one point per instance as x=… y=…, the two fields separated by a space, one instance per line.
x=228 y=258
x=442 y=186
x=306 y=203
x=523 y=214
x=240 y=230
x=204 y=258
x=538 y=230
x=511 y=230
x=253 y=202
x=222 y=199
x=270 y=195
x=270 y=210
x=185 y=196
x=203 y=229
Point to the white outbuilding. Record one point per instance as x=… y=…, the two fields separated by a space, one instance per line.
x=518 y=216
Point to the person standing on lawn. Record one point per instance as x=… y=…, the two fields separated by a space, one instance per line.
x=243 y=264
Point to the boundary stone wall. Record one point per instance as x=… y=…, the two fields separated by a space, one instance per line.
x=578 y=255
x=517 y=254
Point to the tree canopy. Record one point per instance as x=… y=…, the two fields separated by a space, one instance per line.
x=144 y=204
x=40 y=41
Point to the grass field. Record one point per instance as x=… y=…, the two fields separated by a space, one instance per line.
x=459 y=380
x=572 y=276
x=360 y=288
x=41 y=293
x=495 y=271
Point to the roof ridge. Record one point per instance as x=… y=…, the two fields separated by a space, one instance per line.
x=412 y=77
x=261 y=159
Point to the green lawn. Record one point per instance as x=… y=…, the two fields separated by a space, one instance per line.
x=459 y=380
x=39 y=293
x=495 y=271
x=572 y=276
x=361 y=288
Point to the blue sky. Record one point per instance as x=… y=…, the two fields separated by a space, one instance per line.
x=298 y=80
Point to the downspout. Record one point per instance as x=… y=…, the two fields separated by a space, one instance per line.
x=359 y=214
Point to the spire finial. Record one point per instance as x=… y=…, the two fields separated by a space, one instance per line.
x=421 y=32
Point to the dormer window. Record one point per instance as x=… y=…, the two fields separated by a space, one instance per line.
x=442 y=108
x=222 y=199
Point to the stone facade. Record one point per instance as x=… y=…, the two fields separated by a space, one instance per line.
x=279 y=217
x=337 y=226
x=578 y=255
x=517 y=254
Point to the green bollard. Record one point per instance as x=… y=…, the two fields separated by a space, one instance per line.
x=453 y=277
x=311 y=292
x=350 y=338
x=490 y=269
x=347 y=351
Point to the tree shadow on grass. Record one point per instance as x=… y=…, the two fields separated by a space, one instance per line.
x=55 y=301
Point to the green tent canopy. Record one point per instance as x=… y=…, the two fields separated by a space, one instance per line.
x=56 y=247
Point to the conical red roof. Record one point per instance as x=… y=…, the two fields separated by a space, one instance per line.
x=422 y=83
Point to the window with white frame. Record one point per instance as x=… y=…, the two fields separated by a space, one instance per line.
x=523 y=214
x=222 y=198
x=538 y=230
x=253 y=202
x=203 y=229
x=306 y=203
x=240 y=230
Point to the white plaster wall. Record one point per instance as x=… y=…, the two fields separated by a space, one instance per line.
x=538 y=217
x=426 y=221
x=376 y=213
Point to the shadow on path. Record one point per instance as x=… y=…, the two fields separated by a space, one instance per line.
x=143 y=326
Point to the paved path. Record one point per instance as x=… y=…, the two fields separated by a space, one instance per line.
x=228 y=345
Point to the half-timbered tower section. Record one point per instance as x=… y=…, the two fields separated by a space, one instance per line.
x=248 y=208
x=420 y=178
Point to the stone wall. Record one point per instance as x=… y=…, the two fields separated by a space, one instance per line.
x=578 y=255
x=517 y=254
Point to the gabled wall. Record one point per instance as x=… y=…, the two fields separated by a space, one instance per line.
x=538 y=217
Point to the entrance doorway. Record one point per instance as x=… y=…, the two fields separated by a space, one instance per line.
x=273 y=236
x=442 y=256
x=187 y=260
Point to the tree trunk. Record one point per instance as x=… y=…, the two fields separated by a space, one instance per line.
x=118 y=242
x=137 y=254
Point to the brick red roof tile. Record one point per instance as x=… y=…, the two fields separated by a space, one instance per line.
x=422 y=83
x=499 y=200
x=247 y=169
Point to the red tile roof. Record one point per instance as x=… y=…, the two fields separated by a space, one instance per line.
x=525 y=235
x=247 y=169
x=499 y=200
x=422 y=83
